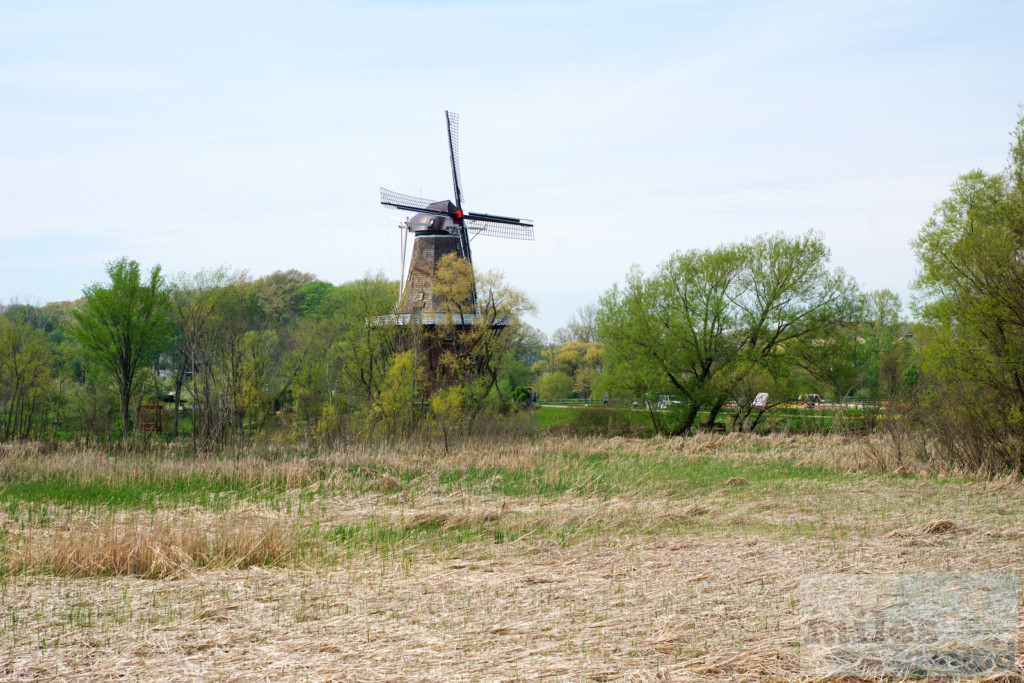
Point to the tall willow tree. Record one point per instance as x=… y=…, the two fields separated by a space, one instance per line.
x=716 y=325
x=122 y=326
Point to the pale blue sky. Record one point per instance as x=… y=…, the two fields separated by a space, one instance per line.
x=255 y=134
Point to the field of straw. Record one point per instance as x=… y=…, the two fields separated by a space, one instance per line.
x=553 y=559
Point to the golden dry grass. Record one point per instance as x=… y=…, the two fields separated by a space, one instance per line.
x=154 y=546
x=665 y=576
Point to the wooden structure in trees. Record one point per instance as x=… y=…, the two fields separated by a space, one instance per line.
x=151 y=418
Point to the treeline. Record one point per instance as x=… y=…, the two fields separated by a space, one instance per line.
x=287 y=356
x=735 y=334
x=232 y=357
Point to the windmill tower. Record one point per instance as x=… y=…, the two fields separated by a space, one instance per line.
x=440 y=228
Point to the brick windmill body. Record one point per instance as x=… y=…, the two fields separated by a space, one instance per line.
x=440 y=228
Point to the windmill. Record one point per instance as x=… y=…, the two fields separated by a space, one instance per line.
x=440 y=228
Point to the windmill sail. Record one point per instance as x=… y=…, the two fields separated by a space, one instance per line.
x=512 y=231
x=408 y=202
x=453 y=150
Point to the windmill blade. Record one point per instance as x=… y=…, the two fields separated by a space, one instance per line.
x=453 y=149
x=511 y=229
x=408 y=202
x=491 y=218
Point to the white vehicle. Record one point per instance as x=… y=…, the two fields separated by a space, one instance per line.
x=664 y=402
x=659 y=401
x=761 y=400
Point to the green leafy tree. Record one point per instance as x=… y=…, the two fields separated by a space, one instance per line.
x=671 y=330
x=707 y=320
x=315 y=298
x=396 y=410
x=970 y=295
x=217 y=344
x=284 y=294
x=361 y=352
x=790 y=300
x=447 y=410
x=195 y=300
x=837 y=365
x=25 y=380
x=122 y=326
x=526 y=344
x=581 y=361
x=350 y=352
x=865 y=354
x=554 y=386
x=885 y=349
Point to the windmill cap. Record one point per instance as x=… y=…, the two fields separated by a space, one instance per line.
x=445 y=205
x=428 y=222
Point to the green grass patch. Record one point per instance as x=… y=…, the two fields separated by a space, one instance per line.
x=603 y=422
x=545 y=416
x=434 y=532
x=70 y=490
x=544 y=479
x=607 y=474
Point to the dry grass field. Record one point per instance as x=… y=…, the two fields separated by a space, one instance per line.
x=553 y=559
